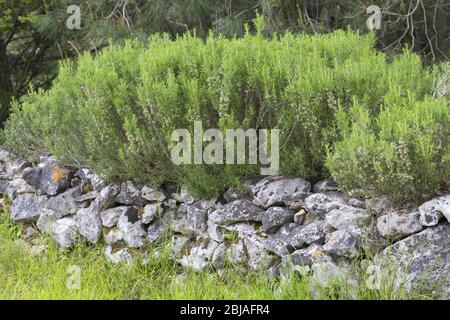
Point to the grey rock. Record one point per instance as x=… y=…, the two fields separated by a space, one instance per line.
x=378 y=205
x=90 y=176
x=311 y=232
x=191 y=220
x=16 y=187
x=130 y=194
x=276 y=190
x=276 y=217
x=236 y=211
x=89 y=223
x=151 y=211
x=347 y=216
x=398 y=224
x=65 y=232
x=320 y=204
x=110 y=217
x=106 y=198
x=293 y=236
x=64 y=204
x=27 y=208
x=432 y=211
x=52 y=178
x=11 y=167
x=285 y=240
x=133 y=229
x=152 y=195
x=160 y=229
x=88 y=196
x=420 y=261
x=307 y=256
x=345 y=242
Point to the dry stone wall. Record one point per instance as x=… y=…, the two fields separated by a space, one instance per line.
x=277 y=224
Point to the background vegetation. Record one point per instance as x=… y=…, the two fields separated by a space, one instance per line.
x=33 y=35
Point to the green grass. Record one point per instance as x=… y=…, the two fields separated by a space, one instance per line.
x=44 y=276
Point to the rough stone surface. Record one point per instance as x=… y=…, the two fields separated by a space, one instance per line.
x=398 y=224
x=420 y=260
x=274 y=190
x=52 y=178
x=152 y=195
x=133 y=229
x=432 y=211
x=276 y=217
x=106 y=198
x=160 y=229
x=191 y=220
x=94 y=179
x=46 y=221
x=307 y=256
x=65 y=232
x=27 y=208
x=88 y=196
x=110 y=216
x=113 y=235
x=236 y=211
x=320 y=204
x=64 y=204
x=89 y=224
x=130 y=194
x=343 y=243
x=151 y=211
x=347 y=216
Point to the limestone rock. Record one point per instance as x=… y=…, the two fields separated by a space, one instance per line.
x=276 y=190
x=191 y=220
x=132 y=228
x=151 y=211
x=65 y=232
x=320 y=204
x=89 y=223
x=422 y=259
x=276 y=217
x=52 y=178
x=152 y=195
x=398 y=224
x=432 y=211
x=64 y=204
x=347 y=216
x=130 y=194
x=344 y=243
x=236 y=211
x=110 y=216
x=27 y=207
